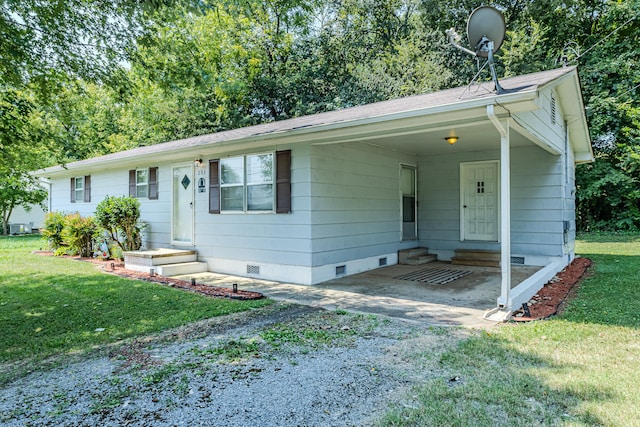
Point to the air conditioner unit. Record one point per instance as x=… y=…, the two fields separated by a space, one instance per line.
x=20 y=228
x=16 y=228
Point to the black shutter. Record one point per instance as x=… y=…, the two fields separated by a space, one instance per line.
x=283 y=181
x=153 y=183
x=214 y=186
x=132 y=183
x=73 y=190
x=87 y=188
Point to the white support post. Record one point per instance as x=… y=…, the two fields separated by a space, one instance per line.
x=505 y=209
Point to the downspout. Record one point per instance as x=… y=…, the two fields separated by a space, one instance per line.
x=505 y=209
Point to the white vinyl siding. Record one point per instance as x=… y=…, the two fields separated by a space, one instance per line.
x=355 y=204
x=537 y=209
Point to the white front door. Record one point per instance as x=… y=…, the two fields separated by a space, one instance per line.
x=480 y=202
x=182 y=218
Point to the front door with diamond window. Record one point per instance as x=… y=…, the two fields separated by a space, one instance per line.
x=182 y=219
x=479 y=198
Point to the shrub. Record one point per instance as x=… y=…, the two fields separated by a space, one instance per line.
x=120 y=217
x=52 y=230
x=79 y=234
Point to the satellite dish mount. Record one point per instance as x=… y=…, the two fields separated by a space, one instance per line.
x=485 y=31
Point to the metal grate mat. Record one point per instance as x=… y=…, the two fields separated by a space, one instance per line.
x=437 y=276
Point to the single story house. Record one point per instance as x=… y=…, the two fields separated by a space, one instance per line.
x=310 y=198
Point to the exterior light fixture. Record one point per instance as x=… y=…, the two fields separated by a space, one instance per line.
x=451 y=139
x=197 y=162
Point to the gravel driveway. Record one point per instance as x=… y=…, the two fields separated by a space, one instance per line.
x=282 y=365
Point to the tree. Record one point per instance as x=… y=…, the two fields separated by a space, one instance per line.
x=22 y=148
x=44 y=39
x=120 y=217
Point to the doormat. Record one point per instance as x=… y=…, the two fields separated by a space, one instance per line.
x=437 y=276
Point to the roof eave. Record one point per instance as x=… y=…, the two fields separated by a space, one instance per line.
x=569 y=88
x=523 y=100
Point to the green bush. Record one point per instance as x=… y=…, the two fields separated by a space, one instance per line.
x=52 y=230
x=79 y=233
x=120 y=217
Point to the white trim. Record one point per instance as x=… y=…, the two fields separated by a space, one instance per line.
x=297 y=274
x=330 y=125
x=530 y=286
x=505 y=207
x=193 y=201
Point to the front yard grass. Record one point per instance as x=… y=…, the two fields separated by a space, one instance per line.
x=580 y=368
x=51 y=306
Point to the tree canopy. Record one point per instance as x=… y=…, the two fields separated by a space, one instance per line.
x=123 y=74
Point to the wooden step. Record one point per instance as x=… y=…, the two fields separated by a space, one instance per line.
x=477 y=257
x=415 y=256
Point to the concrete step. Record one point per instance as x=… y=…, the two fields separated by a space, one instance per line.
x=421 y=259
x=156 y=257
x=415 y=256
x=477 y=257
x=182 y=268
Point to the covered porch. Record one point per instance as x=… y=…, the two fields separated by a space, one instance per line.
x=481 y=171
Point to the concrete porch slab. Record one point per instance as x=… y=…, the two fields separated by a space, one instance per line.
x=462 y=302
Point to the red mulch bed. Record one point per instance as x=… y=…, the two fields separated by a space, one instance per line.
x=117 y=268
x=552 y=297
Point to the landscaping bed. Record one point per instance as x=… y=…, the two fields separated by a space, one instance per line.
x=553 y=296
x=117 y=267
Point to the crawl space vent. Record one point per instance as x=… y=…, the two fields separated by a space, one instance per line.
x=253 y=269
x=341 y=270
x=382 y=262
x=517 y=260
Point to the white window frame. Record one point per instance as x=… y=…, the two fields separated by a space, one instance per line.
x=142 y=184
x=245 y=184
x=80 y=191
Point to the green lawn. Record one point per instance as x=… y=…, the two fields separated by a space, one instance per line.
x=51 y=306
x=578 y=369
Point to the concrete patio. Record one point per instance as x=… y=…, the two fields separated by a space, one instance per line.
x=462 y=301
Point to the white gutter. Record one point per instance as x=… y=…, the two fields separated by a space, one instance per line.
x=505 y=209
x=292 y=133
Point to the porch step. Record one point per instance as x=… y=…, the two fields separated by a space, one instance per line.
x=415 y=256
x=182 y=268
x=164 y=261
x=160 y=256
x=482 y=258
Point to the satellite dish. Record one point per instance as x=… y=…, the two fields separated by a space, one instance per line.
x=485 y=30
x=485 y=24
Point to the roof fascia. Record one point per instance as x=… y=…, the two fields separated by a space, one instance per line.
x=568 y=87
x=422 y=118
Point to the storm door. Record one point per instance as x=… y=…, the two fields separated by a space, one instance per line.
x=408 y=202
x=182 y=217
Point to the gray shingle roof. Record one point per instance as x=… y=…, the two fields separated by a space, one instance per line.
x=460 y=95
